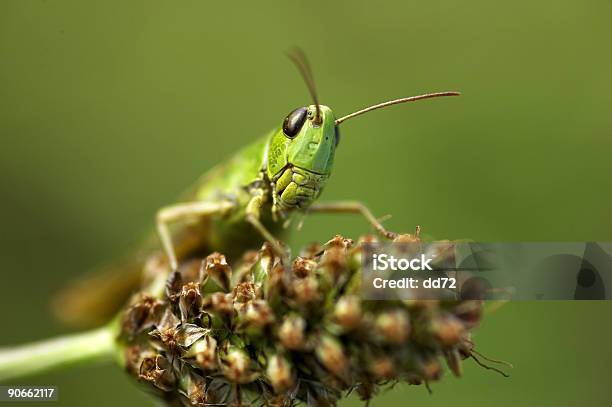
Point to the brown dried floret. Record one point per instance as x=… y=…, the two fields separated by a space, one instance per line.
x=190 y=301
x=276 y=331
x=258 y=314
x=244 y=292
x=203 y=352
x=144 y=312
x=238 y=367
x=292 y=332
x=431 y=369
x=447 y=329
x=216 y=269
x=347 y=311
x=393 y=327
x=197 y=391
x=158 y=371
x=453 y=360
x=382 y=368
x=280 y=373
x=330 y=353
x=303 y=267
x=220 y=303
x=305 y=290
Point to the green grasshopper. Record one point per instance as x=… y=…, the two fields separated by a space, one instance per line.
x=250 y=198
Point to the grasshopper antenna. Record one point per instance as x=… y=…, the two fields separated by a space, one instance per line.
x=298 y=57
x=395 y=102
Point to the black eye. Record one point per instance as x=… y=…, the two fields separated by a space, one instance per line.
x=337 y=135
x=294 y=122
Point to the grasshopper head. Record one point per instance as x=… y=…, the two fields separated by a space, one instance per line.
x=301 y=155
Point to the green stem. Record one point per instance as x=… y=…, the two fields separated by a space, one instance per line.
x=54 y=353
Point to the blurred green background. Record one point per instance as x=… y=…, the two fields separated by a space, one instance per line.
x=109 y=109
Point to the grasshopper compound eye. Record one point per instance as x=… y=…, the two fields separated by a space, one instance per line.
x=294 y=121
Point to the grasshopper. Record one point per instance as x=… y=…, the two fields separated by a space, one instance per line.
x=250 y=198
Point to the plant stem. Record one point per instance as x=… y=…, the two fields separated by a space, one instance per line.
x=54 y=353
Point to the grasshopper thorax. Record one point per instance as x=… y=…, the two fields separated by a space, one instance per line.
x=300 y=156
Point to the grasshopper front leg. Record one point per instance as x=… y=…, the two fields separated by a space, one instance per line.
x=352 y=207
x=253 y=212
x=185 y=211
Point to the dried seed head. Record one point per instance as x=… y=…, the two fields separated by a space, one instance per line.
x=465 y=345
x=172 y=339
x=306 y=289
x=216 y=267
x=274 y=285
x=244 y=292
x=470 y=312
x=267 y=260
x=165 y=339
x=197 y=392
x=347 y=311
x=133 y=358
x=134 y=355
x=447 y=330
x=190 y=300
x=407 y=238
x=236 y=367
x=366 y=390
x=431 y=369
x=199 y=398
x=209 y=337
x=166 y=335
x=334 y=261
x=382 y=368
x=157 y=370
x=281 y=400
x=280 y=373
x=292 y=332
x=237 y=363
x=331 y=355
x=188 y=334
x=453 y=360
x=258 y=314
x=393 y=326
x=190 y=291
x=303 y=267
x=414 y=379
x=173 y=285
x=267 y=254
x=204 y=352
x=142 y=314
x=168 y=320
x=339 y=242
x=219 y=303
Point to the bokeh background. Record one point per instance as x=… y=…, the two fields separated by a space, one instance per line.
x=109 y=109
